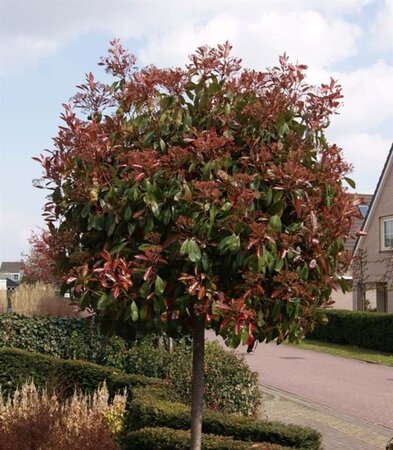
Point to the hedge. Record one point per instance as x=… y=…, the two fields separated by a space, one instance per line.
x=147 y=410
x=150 y=405
x=168 y=439
x=230 y=384
x=68 y=338
x=362 y=329
x=64 y=376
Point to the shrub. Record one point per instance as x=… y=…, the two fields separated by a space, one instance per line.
x=41 y=299
x=33 y=420
x=358 y=328
x=169 y=439
x=62 y=376
x=67 y=338
x=230 y=386
x=147 y=410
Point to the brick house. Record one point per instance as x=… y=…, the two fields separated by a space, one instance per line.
x=373 y=253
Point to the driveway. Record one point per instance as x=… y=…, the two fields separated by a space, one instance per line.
x=361 y=389
x=348 y=401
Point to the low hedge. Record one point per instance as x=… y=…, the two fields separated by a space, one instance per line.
x=230 y=384
x=147 y=410
x=170 y=439
x=361 y=329
x=64 y=376
x=62 y=337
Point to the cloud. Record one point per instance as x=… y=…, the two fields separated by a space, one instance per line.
x=368 y=98
x=15 y=229
x=260 y=30
x=381 y=31
x=367 y=153
x=259 y=37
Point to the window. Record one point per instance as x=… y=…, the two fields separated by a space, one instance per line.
x=387 y=233
x=15 y=277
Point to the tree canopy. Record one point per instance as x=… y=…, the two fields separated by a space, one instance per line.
x=209 y=190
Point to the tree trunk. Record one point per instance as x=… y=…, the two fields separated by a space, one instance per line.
x=198 y=354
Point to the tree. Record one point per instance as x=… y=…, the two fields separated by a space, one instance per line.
x=38 y=264
x=200 y=197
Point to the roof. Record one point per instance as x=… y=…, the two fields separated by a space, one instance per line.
x=11 y=267
x=12 y=283
x=388 y=164
x=358 y=221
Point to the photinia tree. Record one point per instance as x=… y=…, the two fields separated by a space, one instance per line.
x=199 y=197
x=38 y=265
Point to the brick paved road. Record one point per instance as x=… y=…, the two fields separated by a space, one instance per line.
x=349 y=386
x=350 y=402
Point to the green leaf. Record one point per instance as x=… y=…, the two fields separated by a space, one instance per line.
x=244 y=336
x=98 y=222
x=110 y=225
x=162 y=145
x=127 y=213
x=279 y=264
x=118 y=248
x=304 y=272
x=275 y=223
x=102 y=301
x=159 y=286
x=85 y=211
x=134 y=312
x=276 y=208
x=227 y=109
x=148 y=138
x=350 y=182
x=130 y=228
x=184 y=249
x=194 y=252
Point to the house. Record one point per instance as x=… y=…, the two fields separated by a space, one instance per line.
x=343 y=300
x=373 y=253
x=11 y=274
x=12 y=271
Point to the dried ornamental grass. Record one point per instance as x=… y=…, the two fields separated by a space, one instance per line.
x=33 y=420
x=41 y=299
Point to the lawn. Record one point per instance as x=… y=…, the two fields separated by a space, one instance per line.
x=348 y=351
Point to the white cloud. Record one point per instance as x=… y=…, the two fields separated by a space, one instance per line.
x=368 y=98
x=259 y=38
x=367 y=153
x=15 y=230
x=260 y=30
x=381 y=31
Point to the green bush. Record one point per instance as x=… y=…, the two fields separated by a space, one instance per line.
x=66 y=338
x=151 y=403
x=358 y=328
x=230 y=386
x=147 y=410
x=64 y=376
x=169 y=439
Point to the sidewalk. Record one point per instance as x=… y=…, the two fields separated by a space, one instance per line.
x=339 y=431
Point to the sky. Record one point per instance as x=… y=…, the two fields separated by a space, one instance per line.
x=46 y=47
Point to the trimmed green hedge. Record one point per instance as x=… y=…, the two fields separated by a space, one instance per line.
x=357 y=328
x=66 y=338
x=147 y=410
x=230 y=384
x=64 y=376
x=150 y=405
x=169 y=439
